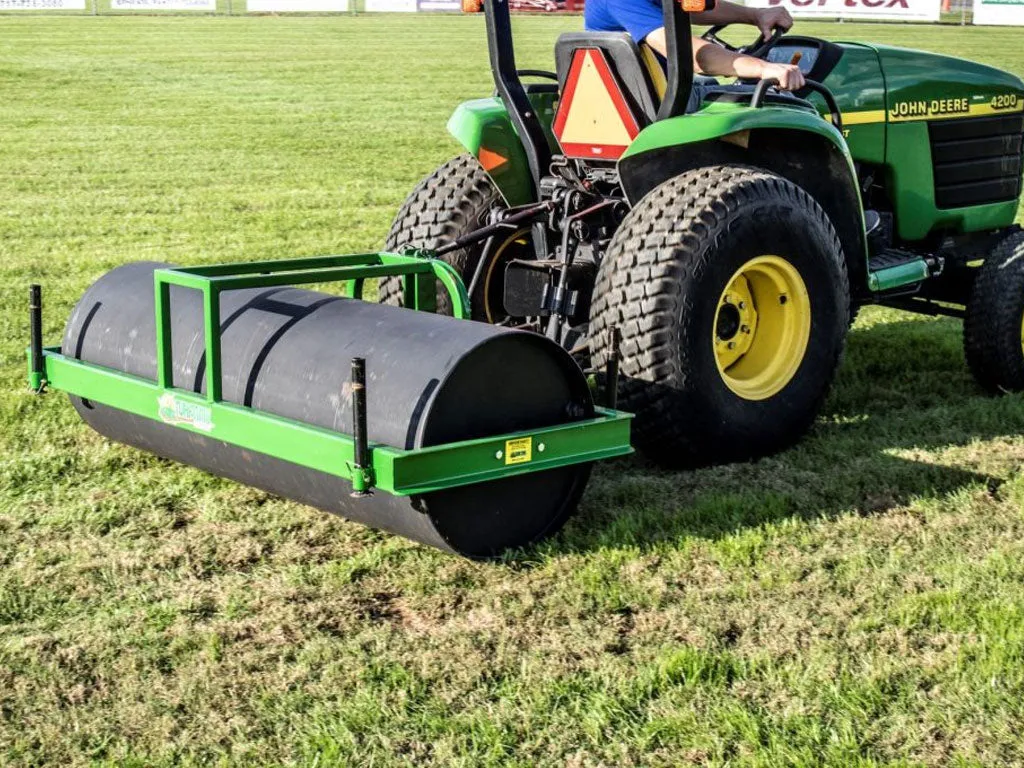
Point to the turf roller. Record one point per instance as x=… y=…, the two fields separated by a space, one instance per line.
x=464 y=436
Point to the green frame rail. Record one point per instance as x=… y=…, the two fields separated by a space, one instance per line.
x=395 y=470
x=420 y=275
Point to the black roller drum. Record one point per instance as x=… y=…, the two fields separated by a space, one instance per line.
x=430 y=380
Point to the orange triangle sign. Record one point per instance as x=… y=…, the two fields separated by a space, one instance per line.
x=593 y=120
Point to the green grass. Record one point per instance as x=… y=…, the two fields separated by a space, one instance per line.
x=856 y=601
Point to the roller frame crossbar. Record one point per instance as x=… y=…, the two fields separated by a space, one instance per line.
x=394 y=470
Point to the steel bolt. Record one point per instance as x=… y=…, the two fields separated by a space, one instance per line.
x=745 y=328
x=732 y=345
x=743 y=305
x=498 y=455
x=541 y=447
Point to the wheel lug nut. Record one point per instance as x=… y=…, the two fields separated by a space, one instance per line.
x=732 y=345
x=745 y=328
x=742 y=305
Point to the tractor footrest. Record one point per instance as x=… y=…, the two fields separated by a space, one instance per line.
x=892 y=257
x=894 y=269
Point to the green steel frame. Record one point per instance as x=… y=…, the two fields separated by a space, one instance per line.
x=394 y=470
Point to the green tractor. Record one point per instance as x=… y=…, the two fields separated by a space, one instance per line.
x=705 y=267
x=731 y=247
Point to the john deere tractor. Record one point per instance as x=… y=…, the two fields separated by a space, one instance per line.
x=731 y=247
x=705 y=266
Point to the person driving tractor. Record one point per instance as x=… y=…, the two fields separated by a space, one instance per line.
x=642 y=19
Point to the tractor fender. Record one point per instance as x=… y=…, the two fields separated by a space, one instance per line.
x=484 y=128
x=795 y=144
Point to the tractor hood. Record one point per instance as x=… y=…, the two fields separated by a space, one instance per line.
x=943 y=117
x=931 y=86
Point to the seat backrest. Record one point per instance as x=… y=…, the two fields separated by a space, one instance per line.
x=627 y=63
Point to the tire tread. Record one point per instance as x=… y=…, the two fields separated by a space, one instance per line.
x=451 y=201
x=662 y=248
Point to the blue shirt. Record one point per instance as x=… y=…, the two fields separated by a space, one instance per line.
x=638 y=17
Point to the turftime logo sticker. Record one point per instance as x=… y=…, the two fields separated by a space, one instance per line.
x=179 y=413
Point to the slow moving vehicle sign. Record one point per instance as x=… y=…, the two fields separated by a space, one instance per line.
x=593 y=120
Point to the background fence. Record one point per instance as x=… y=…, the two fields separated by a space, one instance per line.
x=1009 y=12
x=239 y=7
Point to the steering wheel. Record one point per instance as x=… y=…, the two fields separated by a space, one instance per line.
x=809 y=85
x=757 y=49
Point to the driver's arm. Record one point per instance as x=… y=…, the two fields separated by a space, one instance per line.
x=765 y=19
x=712 y=59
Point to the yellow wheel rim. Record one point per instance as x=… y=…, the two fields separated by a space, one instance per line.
x=762 y=325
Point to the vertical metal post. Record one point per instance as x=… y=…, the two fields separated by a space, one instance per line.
x=361 y=471
x=424 y=291
x=211 y=295
x=164 y=359
x=35 y=320
x=611 y=370
x=353 y=289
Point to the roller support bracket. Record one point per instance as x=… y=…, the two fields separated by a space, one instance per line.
x=36 y=363
x=362 y=472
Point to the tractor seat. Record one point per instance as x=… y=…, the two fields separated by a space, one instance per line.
x=637 y=67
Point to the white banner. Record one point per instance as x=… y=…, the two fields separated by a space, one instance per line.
x=164 y=5
x=42 y=5
x=390 y=6
x=1004 y=12
x=295 y=6
x=893 y=10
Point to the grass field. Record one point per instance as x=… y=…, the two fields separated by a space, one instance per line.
x=857 y=601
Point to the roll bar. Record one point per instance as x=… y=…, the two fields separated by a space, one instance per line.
x=513 y=94
x=679 y=75
x=510 y=89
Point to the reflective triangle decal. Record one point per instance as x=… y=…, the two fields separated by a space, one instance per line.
x=593 y=121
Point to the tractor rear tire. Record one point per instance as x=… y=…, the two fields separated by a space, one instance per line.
x=730 y=291
x=994 y=323
x=453 y=201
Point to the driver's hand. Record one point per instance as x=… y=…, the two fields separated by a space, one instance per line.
x=789 y=75
x=770 y=18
